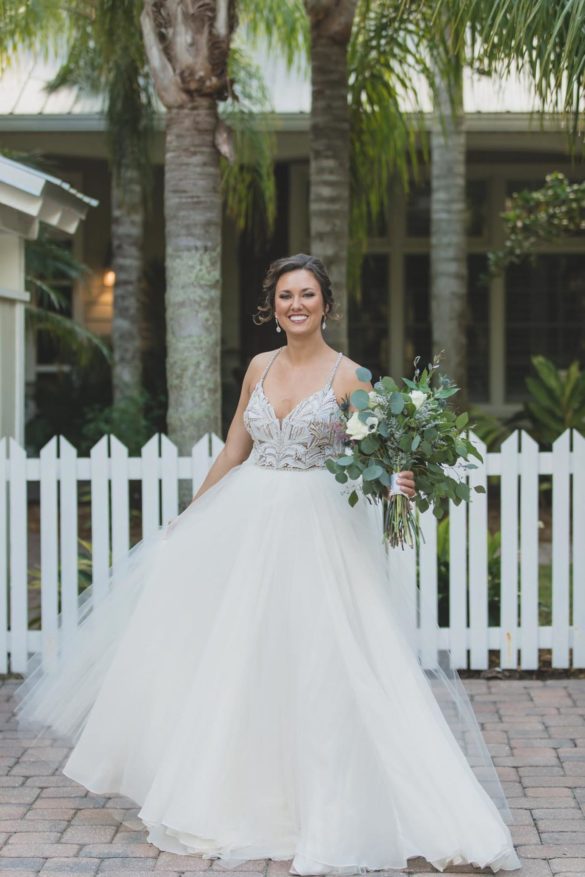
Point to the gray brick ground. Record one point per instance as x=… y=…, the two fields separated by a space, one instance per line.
x=535 y=730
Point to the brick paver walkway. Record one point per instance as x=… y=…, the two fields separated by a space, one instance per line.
x=535 y=730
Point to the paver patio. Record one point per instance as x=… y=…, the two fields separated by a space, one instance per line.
x=535 y=729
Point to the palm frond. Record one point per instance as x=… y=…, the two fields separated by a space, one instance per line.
x=280 y=26
x=248 y=181
x=70 y=337
x=387 y=61
x=36 y=24
x=46 y=258
x=106 y=56
x=544 y=39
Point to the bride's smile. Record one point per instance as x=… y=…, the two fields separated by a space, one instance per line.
x=298 y=303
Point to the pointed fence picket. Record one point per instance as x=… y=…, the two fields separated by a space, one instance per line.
x=478 y=573
x=529 y=551
x=561 y=551
x=516 y=471
x=509 y=552
x=17 y=565
x=3 y=557
x=578 y=550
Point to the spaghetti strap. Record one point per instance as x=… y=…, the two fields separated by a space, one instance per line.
x=334 y=370
x=266 y=370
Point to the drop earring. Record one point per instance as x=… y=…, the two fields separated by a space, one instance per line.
x=278 y=329
x=323 y=322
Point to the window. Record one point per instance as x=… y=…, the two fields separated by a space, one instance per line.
x=417 y=316
x=418 y=210
x=368 y=318
x=44 y=265
x=545 y=314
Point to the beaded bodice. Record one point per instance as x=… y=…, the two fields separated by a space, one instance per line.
x=303 y=439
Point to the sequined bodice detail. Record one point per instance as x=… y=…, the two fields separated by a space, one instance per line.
x=303 y=439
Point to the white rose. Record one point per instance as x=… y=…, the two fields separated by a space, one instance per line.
x=418 y=398
x=357 y=430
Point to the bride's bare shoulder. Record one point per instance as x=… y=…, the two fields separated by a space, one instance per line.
x=347 y=380
x=257 y=365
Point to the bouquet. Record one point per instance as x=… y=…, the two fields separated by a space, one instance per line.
x=408 y=427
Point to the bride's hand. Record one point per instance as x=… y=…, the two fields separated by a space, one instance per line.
x=405 y=483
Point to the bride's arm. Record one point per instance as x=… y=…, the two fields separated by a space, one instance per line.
x=238 y=443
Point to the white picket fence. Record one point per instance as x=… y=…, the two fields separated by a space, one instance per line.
x=109 y=471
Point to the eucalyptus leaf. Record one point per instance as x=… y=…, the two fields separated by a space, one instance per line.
x=360 y=399
x=397 y=403
x=369 y=444
x=372 y=472
x=352 y=498
x=363 y=374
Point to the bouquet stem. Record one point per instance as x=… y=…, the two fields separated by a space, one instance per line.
x=400 y=527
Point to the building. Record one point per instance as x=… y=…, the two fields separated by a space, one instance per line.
x=535 y=308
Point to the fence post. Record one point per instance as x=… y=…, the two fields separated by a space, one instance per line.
x=18 y=564
x=560 y=551
x=150 y=486
x=529 y=551
x=3 y=558
x=100 y=518
x=458 y=583
x=49 y=553
x=120 y=500
x=509 y=552
x=578 y=549
x=478 y=586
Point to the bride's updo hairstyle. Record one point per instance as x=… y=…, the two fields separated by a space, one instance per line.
x=276 y=269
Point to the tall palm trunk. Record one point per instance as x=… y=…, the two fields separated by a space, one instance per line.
x=331 y=23
x=187 y=43
x=448 y=234
x=127 y=241
x=193 y=259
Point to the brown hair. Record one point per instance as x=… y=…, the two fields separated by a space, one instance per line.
x=279 y=267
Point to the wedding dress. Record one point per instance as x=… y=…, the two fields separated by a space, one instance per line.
x=250 y=682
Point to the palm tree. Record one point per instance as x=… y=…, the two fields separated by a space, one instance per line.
x=188 y=44
x=329 y=137
x=106 y=56
x=448 y=232
x=365 y=57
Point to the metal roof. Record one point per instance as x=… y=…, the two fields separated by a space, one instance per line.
x=23 y=92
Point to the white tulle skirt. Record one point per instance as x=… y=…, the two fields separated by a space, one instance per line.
x=248 y=681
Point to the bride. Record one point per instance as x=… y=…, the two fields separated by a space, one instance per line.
x=250 y=679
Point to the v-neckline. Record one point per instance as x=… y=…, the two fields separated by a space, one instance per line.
x=281 y=420
x=328 y=388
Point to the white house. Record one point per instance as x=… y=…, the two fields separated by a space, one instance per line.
x=533 y=309
x=27 y=199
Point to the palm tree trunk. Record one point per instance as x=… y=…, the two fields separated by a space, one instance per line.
x=329 y=167
x=193 y=259
x=127 y=246
x=448 y=236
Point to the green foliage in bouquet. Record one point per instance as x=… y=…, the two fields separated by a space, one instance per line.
x=394 y=428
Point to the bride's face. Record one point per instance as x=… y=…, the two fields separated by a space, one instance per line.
x=298 y=302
